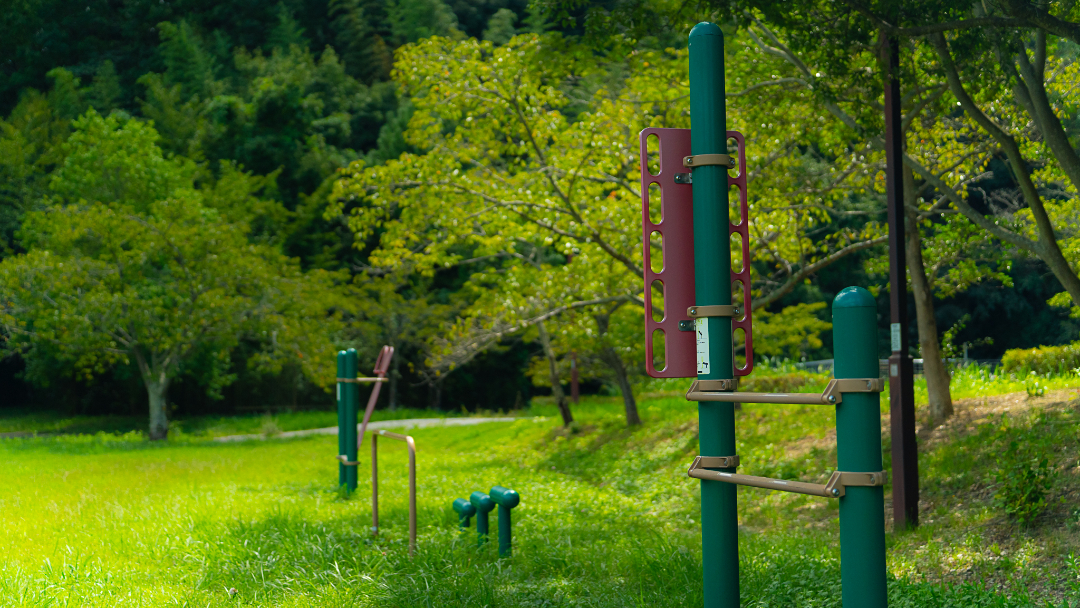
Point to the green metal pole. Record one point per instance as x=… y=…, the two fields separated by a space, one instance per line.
x=858 y=447
x=712 y=278
x=351 y=405
x=341 y=394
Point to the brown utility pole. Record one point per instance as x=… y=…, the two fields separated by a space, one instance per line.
x=905 y=455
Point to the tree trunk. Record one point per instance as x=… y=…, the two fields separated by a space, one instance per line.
x=611 y=357
x=156 y=380
x=934 y=370
x=553 y=372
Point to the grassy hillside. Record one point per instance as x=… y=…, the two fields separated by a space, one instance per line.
x=608 y=516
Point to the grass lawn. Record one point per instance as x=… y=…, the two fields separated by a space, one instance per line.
x=608 y=516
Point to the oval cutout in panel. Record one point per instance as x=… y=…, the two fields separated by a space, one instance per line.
x=733 y=152
x=734 y=206
x=656 y=211
x=736 y=254
x=659 y=349
x=737 y=298
x=656 y=295
x=738 y=338
x=656 y=252
x=652 y=148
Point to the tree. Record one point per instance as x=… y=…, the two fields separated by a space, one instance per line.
x=527 y=150
x=133 y=262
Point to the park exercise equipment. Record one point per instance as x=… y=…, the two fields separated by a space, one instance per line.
x=349 y=440
x=465 y=510
x=480 y=504
x=696 y=276
x=484 y=505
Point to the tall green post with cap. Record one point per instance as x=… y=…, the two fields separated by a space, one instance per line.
x=712 y=279
x=352 y=402
x=858 y=447
x=341 y=396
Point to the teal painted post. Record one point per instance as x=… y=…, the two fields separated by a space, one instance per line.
x=712 y=279
x=506 y=499
x=341 y=394
x=484 y=505
x=352 y=402
x=858 y=447
x=465 y=510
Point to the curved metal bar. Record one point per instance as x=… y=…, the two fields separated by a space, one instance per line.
x=411 y=444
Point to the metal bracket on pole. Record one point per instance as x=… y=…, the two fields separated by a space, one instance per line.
x=345 y=461
x=724 y=384
x=716 y=310
x=717 y=462
x=834 y=488
x=833 y=393
x=701 y=160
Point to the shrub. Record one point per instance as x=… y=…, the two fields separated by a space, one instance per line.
x=1043 y=360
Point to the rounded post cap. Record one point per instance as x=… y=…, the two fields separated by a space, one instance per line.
x=706 y=29
x=482 y=502
x=854 y=297
x=505 y=497
x=351 y=351
x=464 y=507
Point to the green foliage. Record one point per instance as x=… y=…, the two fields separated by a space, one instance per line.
x=1043 y=360
x=1023 y=484
x=132 y=264
x=500 y=27
x=793 y=332
x=413 y=20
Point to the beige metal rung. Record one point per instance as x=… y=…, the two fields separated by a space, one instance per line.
x=362 y=380
x=834 y=488
x=833 y=393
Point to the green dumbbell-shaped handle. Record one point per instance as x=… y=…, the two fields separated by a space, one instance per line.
x=506 y=499
x=465 y=510
x=483 y=504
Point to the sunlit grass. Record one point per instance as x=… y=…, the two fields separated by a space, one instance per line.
x=608 y=518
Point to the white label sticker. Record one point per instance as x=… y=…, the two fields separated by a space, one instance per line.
x=895 y=327
x=701 y=330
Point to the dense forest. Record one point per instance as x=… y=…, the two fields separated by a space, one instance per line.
x=201 y=202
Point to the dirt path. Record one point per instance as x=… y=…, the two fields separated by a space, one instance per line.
x=408 y=423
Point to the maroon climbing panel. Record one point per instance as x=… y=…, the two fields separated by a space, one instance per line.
x=673 y=284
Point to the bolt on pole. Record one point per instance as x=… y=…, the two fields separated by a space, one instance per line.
x=858 y=447
x=712 y=272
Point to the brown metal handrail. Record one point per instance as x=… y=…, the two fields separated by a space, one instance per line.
x=411 y=444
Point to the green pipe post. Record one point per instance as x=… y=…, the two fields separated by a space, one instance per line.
x=712 y=279
x=465 y=510
x=858 y=447
x=352 y=403
x=341 y=394
x=506 y=499
x=484 y=505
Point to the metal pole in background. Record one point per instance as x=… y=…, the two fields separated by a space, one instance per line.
x=905 y=455
x=341 y=394
x=712 y=277
x=858 y=447
x=374 y=485
x=352 y=403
